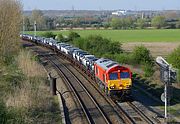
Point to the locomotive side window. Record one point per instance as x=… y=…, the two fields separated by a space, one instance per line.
x=124 y=75
x=113 y=76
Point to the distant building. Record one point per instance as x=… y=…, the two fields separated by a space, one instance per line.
x=119 y=13
x=57 y=24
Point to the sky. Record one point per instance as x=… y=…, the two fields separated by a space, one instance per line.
x=101 y=4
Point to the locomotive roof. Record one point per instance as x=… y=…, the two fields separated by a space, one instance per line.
x=106 y=63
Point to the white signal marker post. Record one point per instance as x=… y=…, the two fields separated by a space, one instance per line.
x=165 y=94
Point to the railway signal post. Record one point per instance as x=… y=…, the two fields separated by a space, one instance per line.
x=168 y=76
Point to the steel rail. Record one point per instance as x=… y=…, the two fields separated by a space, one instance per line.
x=90 y=119
x=122 y=114
x=146 y=118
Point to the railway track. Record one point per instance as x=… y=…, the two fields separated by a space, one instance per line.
x=90 y=107
x=87 y=101
x=137 y=114
x=144 y=116
x=140 y=116
x=118 y=111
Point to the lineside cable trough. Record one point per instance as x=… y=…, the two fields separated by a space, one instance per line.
x=54 y=92
x=53 y=85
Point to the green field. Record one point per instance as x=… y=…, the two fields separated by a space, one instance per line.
x=154 y=35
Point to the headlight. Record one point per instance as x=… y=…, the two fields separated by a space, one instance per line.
x=112 y=87
x=128 y=86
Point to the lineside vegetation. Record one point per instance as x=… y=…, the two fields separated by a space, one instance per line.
x=25 y=96
x=174 y=59
x=24 y=91
x=103 y=47
x=10 y=22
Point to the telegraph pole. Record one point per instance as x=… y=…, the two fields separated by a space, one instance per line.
x=23 y=25
x=35 y=28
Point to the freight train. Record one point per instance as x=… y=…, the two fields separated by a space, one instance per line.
x=112 y=77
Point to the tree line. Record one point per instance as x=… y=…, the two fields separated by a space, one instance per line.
x=157 y=22
x=51 y=23
x=42 y=22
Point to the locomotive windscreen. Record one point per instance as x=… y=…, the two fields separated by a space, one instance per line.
x=124 y=75
x=113 y=76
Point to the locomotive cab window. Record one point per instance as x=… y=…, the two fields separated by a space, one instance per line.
x=124 y=75
x=113 y=76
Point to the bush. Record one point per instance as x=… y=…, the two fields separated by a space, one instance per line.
x=60 y=37
x=174 y=58
x=79 y=42
x=48 y=34
x=97 y=45
x=115 y=47
x=142 y=55
x=124 y=58
x=148 y=69
x=110 y=56
x=73 y=35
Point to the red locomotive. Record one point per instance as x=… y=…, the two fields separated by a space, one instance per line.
x=112 y=77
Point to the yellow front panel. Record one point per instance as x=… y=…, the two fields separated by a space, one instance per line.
x=119 y=84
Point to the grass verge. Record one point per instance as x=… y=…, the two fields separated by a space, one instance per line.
x=24 y=93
